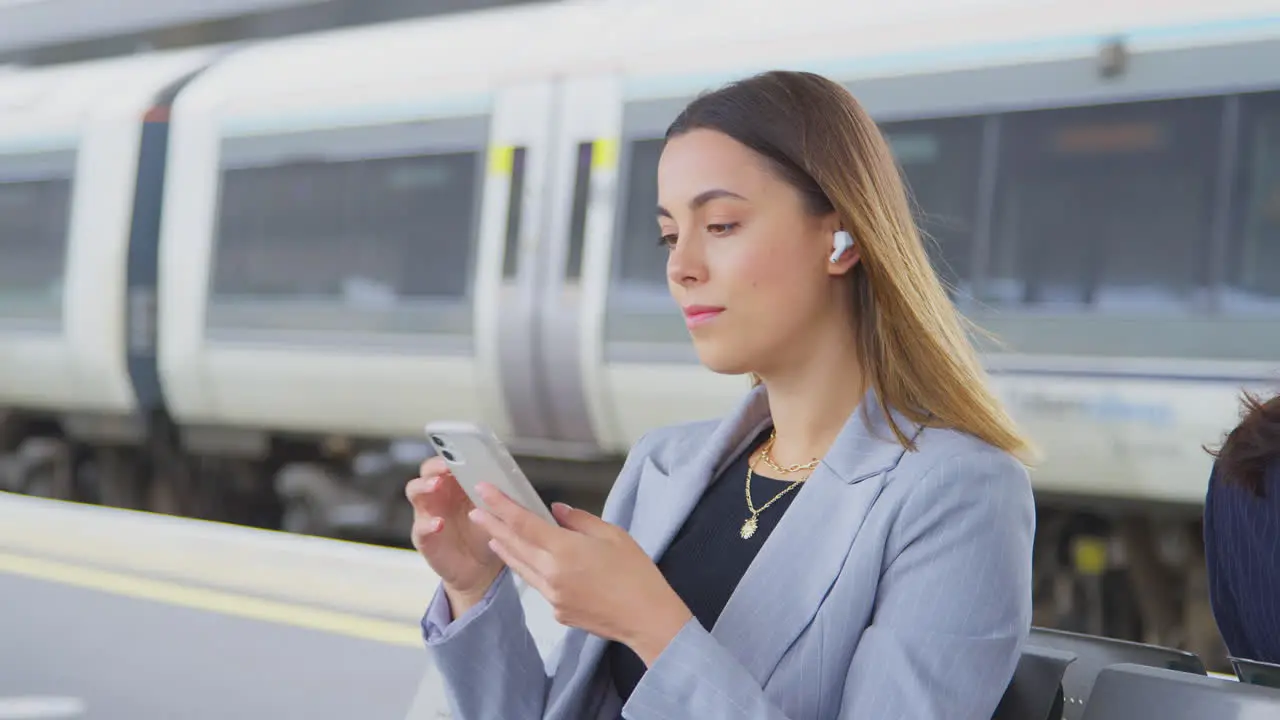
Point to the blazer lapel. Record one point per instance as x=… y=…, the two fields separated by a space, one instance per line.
x=780 y=592
x=666 y=496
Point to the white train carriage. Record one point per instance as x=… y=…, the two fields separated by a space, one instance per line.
x=76 y=219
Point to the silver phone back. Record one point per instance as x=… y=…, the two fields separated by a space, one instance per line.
x=475 y=455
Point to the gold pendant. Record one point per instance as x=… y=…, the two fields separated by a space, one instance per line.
x=748 y=528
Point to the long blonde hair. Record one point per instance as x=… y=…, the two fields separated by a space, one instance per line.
x=911 y=339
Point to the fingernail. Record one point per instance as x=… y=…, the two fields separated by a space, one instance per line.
x=437 y=524
x=474 y=514
x=560 y=508
x=433 y=482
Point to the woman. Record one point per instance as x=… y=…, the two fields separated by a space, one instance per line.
x=890 y=579
x=1242 y=534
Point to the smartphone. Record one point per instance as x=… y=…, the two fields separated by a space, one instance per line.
x=474 y=455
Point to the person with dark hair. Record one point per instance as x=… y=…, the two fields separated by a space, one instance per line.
x=1242 y=533
x=853 y=541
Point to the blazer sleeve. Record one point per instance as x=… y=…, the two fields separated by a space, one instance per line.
x=488 y=658
x=952 y=612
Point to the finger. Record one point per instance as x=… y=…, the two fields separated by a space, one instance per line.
x=434 y=465
x=520 y=567
x=425 y=529
x=420 y=492
x=496 y=528
x=437 y=495
x=529 y=527
x=580 y=521
x=416 y=488
x=529 y=554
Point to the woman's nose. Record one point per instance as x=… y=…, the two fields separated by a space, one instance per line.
x=686 y=264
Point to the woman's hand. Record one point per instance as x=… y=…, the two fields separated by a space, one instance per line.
x=455 y=547
x=595 y=576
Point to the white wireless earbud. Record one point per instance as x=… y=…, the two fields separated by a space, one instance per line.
x=841 y=242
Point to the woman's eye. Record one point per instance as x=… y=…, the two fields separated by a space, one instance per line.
x=668 y=240
x=721 y=228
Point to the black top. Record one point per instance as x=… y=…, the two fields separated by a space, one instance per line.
x=708 y=557
x=1241 y=537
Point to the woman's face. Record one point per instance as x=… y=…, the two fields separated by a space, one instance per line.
x=748 y=264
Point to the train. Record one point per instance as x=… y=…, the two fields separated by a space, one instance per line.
x=236 y=281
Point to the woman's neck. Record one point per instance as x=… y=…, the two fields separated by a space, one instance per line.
x=811 y=402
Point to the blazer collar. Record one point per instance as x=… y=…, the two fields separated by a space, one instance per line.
x=667 y=493
x=865 y=446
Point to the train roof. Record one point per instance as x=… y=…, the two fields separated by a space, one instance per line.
x=47 y=105
x=857 y=40
x=692 y=44
x=703 y=43
x=467 y=53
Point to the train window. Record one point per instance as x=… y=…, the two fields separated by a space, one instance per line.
x=940 y=161
x=578 y=213
x=640 y=263
x=515 y=213
x=1253 y=260
x=35 y=207
x=1105 y=207
x=349 y=232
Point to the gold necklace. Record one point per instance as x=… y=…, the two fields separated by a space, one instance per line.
x=768 y=459
x=751 y=524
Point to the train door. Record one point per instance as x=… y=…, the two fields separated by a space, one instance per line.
x=549 y=318
x=516 y=183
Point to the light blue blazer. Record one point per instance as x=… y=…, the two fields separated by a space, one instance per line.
x=897 y=585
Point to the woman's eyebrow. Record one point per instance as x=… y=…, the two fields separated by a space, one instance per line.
x=703 y=198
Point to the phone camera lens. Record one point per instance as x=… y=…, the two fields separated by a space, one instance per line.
x=448 y=455
x=437 y=441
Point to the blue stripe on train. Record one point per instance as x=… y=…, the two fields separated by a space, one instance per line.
x=141 y=332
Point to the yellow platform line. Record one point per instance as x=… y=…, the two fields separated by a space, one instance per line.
x=224 y=603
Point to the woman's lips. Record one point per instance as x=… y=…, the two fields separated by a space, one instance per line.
x=695 y=315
